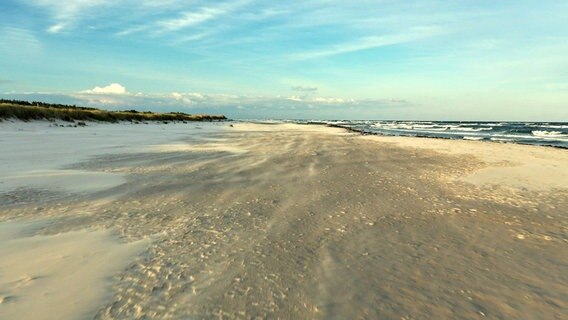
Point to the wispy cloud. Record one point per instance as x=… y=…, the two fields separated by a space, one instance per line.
x=189 y=19
x=65 y=14
x=304 y=88
x=193 y=37
x=19 y=41
x=372 y=42
x=193 y=17
x=132 y=30
x=56 y=28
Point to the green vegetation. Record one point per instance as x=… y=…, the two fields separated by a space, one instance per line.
x=26 y=111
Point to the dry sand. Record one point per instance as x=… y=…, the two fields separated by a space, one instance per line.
x=286 y=221
x=57 y=276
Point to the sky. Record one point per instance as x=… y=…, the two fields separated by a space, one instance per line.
x=318 y=59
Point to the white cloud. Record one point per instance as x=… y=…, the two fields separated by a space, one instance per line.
x=232 y=106
x=294 y=98
x=182 y=98
x=113 y=88
x=332 y=100
x=115 y=95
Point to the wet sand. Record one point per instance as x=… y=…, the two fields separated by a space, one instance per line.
x=310 y=222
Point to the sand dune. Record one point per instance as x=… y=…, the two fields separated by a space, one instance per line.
x=302 y=222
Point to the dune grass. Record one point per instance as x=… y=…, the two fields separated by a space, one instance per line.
x=27 y=111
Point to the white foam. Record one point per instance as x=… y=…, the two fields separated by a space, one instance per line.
x=428 y=127
x=542 y=133
x=502 y=139
x=474 y=129
x=554 y=126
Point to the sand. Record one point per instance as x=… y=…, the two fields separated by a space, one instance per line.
x=288 y=221
x=57 y=276
x=507 y=164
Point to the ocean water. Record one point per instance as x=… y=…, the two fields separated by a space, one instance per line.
x=553 y=134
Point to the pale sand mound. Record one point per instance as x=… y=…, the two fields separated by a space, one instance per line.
x=518 y=166
x=62 y=276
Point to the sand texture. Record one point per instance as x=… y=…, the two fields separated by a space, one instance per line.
x=57 y=276
x=287 y=222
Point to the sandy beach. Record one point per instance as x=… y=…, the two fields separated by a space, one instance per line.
x=277 y=221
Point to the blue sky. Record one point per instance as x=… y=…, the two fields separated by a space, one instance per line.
x=320 y=59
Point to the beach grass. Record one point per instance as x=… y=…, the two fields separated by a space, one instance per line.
x=27 y=111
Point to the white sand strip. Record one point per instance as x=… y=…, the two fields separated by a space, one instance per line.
x=518 y=166
x=63 y=276
x=34 y=154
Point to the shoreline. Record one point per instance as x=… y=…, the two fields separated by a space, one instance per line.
x=297 y=221
x=418 y=135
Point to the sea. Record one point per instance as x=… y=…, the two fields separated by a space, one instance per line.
x=553 y=134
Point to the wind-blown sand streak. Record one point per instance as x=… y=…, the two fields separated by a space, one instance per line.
x=296 y=222
x=61 y=276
